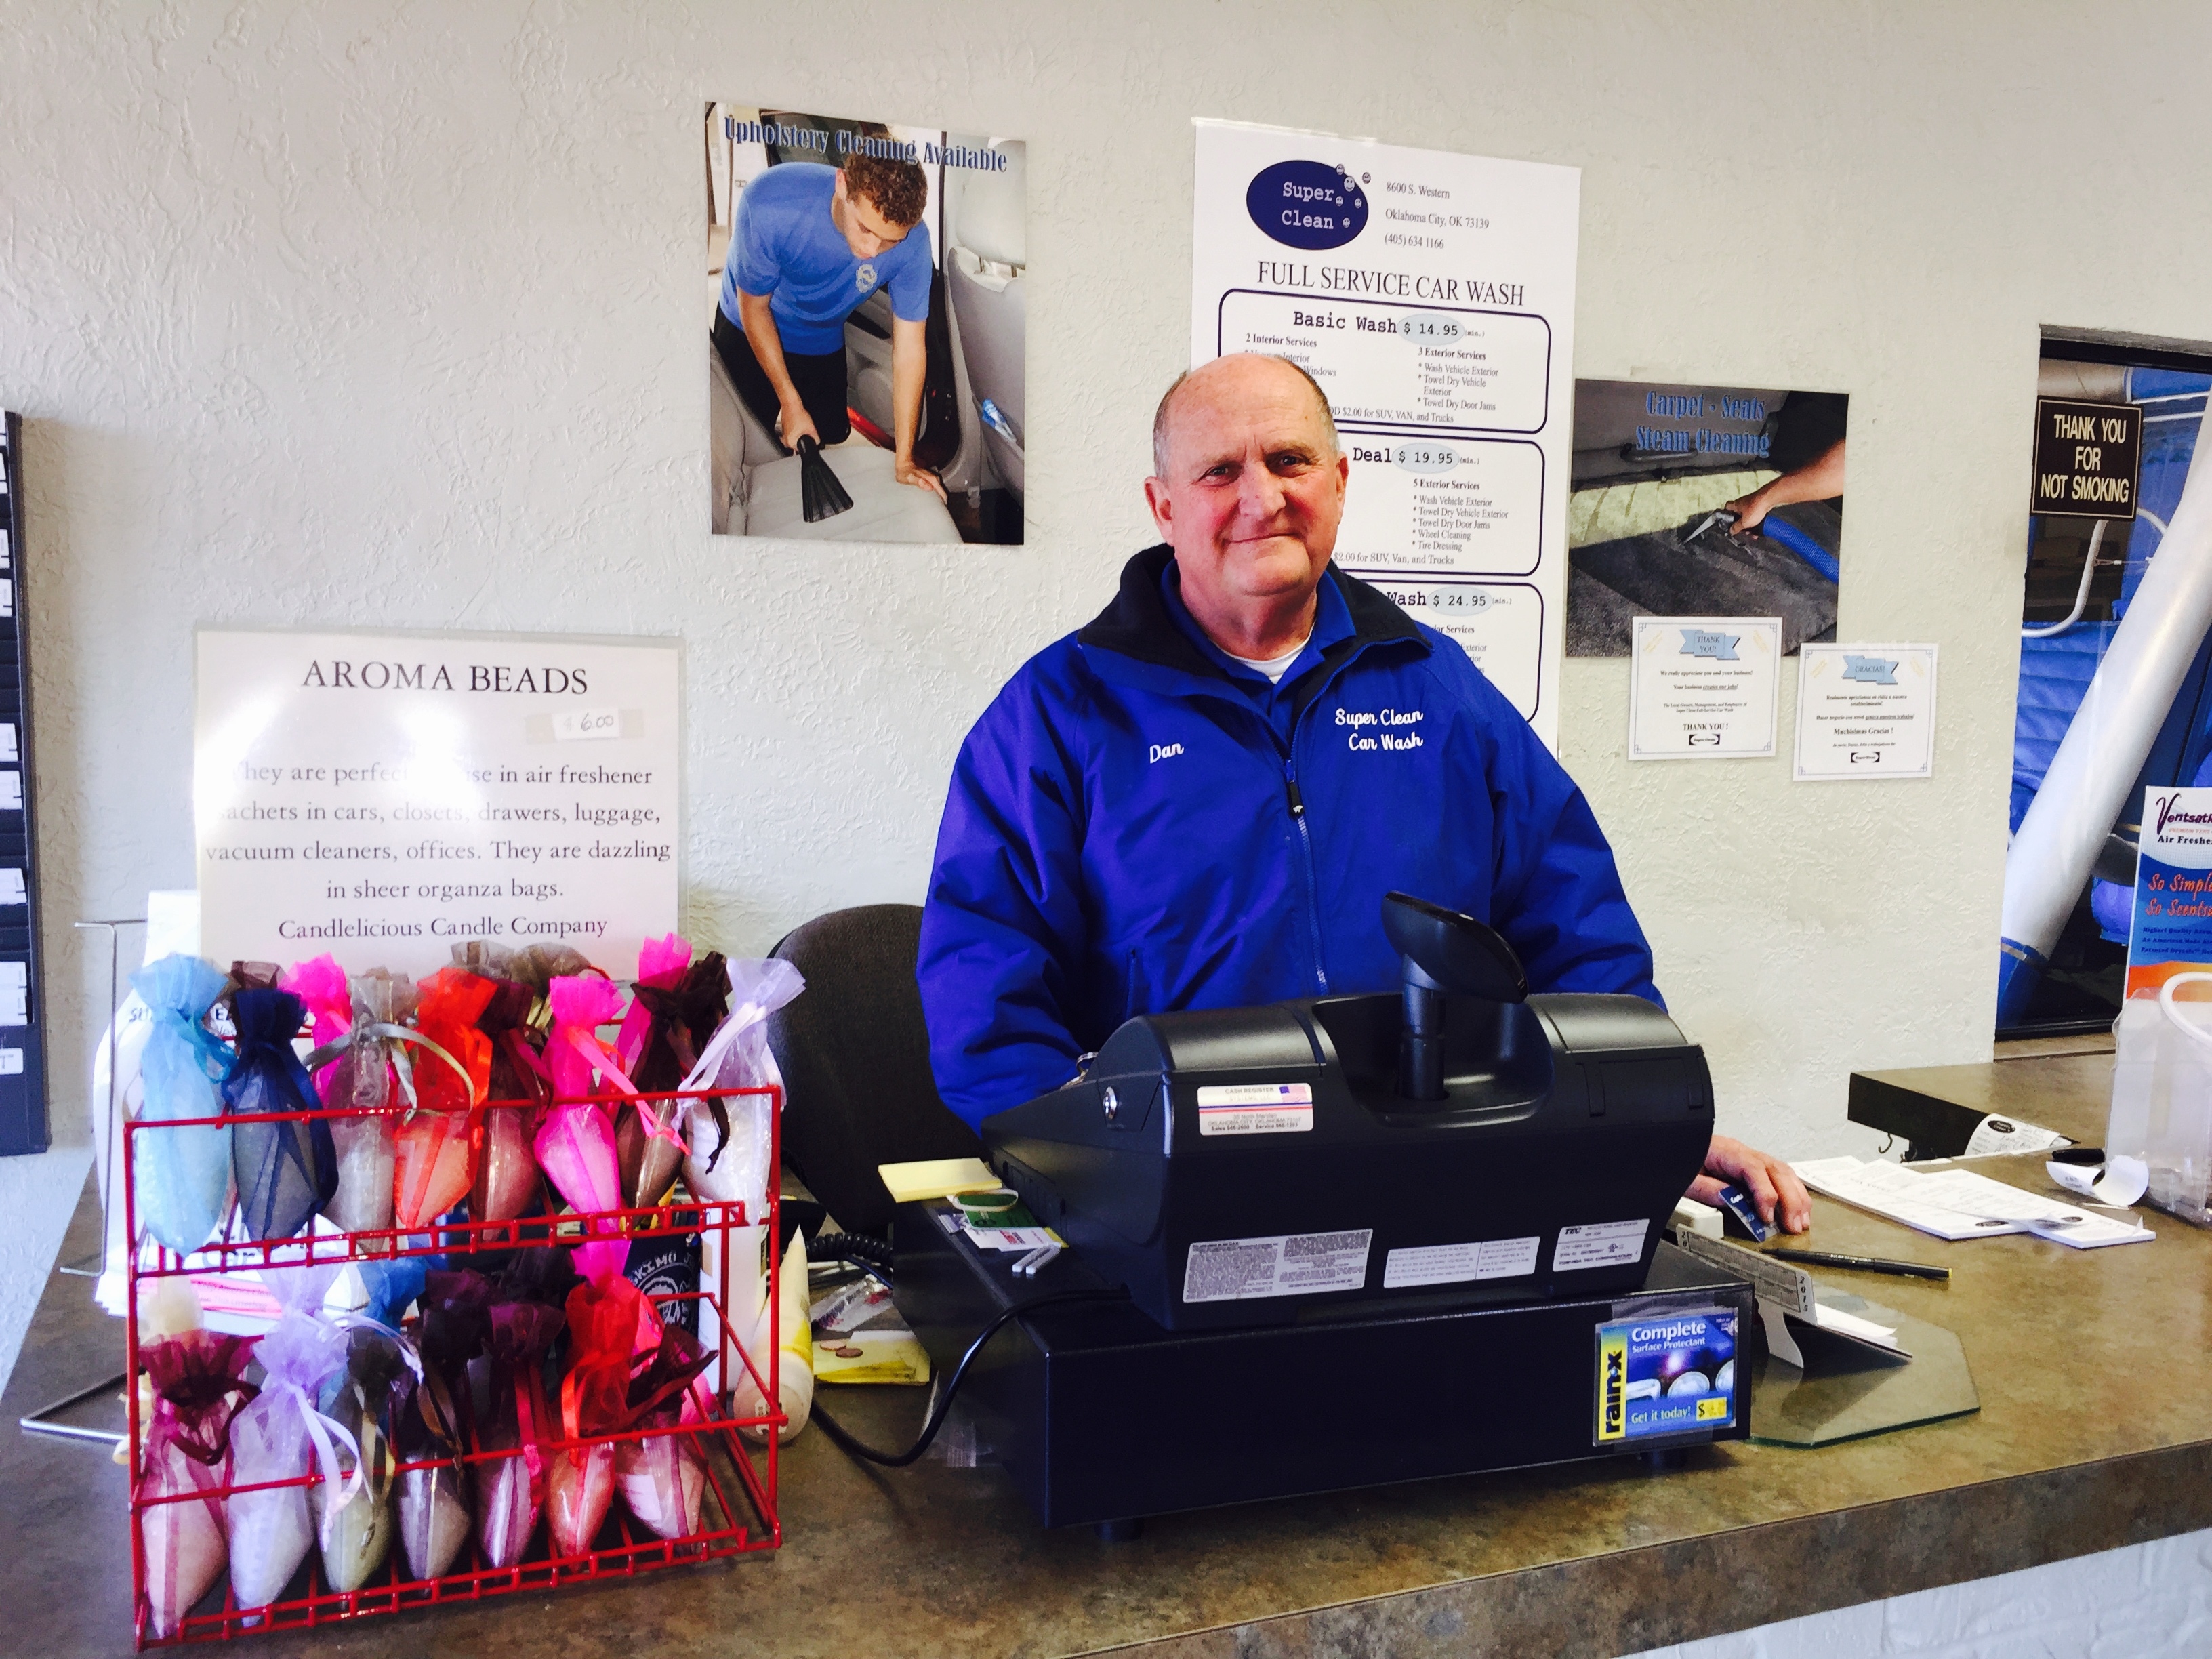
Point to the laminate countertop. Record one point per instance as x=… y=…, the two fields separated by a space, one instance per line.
x=2094 y=1430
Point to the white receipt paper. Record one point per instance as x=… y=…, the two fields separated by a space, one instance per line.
x=2119 y=1182
x=1298 y=1264
x=1600 y=1245
x=1994 y=1135
x=1957 y=1204
x=1456 y=1264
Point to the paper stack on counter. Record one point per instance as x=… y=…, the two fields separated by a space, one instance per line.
x=936 y=1178
x=1957 y=1204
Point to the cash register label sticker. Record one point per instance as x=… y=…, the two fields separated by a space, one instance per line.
x=1454 y=1264
x=1603 y=1244
x=1299 y=1264
x=1667 y=1374
x=1255 y=1109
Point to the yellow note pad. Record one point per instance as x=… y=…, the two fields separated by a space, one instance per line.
x=936 y=1178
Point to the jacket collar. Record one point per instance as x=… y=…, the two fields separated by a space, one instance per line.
x=1136 y=626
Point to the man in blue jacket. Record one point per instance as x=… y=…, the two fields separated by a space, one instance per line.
x=1199 y=800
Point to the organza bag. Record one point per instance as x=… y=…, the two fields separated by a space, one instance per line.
x=576 y=1144
x=323 y=988
x=648 y=1153
x=661 y=964
x=356 y=1537
x=431 y=1426
x=609 y=1320
x=538 y=965
x=510 y=1490
x=182 y=1176
x=286 y=1171
x=673 y=1017
x=437 y=1153
x=198 y=1383
x=507 y=1182
x=364 y=1079
x=283 y=1437
x=731 y=1141
x=662 y=1476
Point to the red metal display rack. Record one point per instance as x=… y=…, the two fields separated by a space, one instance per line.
x=737 y=1511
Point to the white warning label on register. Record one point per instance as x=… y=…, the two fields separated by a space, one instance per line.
x=1455 y=1264
x=1233 y=1269
x=1255 y=1109
x=1602 y=1244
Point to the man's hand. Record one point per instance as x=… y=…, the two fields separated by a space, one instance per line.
x=1772 y=1184
x=921 y=477
x=1749 y=510
x=795 y=423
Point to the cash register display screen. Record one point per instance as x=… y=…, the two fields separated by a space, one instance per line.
x=1666 y=1373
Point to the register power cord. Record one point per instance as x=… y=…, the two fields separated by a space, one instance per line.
x=858 y=1448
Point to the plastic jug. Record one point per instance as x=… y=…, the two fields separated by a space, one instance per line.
x=2163 y=1097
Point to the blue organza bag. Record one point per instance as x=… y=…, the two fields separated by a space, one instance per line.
x=286 y=1170
x=183 y=1176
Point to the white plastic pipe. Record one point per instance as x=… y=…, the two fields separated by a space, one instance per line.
x=2103 y=749
x=2080 y=592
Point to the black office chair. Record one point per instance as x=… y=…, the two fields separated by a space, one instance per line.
x=856 y=1060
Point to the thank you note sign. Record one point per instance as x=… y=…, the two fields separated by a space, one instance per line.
x=1702 y=687
x=382 y=798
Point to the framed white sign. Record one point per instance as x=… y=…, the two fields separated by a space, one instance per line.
x=384 y=797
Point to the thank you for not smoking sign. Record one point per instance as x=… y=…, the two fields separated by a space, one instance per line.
x=2086 y=459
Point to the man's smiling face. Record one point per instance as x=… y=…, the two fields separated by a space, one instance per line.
x=1253 y=488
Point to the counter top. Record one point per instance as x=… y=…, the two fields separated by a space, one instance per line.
x=2095 y=1430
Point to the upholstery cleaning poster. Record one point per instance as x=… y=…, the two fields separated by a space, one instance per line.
x=1431 y=296
x=385 y=797
x=2171 y=932
x=867 y=287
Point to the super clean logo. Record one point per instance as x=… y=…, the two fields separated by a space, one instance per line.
x=1307 y=204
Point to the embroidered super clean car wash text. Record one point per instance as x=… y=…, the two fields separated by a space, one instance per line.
x=1357 y=738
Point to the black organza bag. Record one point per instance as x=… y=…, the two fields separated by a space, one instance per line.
x=286 y=1170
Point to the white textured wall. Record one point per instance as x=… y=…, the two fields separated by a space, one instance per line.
x=389 y=314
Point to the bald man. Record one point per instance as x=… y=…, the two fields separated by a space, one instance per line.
x=1199 y=800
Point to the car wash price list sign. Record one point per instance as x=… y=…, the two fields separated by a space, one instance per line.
x=385 y=797
x=1432 y=297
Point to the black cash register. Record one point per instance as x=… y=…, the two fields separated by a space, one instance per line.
x=1362 y=1239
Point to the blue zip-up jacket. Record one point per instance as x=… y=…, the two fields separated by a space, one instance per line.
x=1137 y=824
